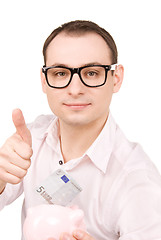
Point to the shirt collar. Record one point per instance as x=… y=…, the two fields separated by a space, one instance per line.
x=99 y=152
x=53 y=135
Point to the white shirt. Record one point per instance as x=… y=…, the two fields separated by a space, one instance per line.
x=121 y=195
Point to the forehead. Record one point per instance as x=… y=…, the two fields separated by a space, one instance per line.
x=74 y=51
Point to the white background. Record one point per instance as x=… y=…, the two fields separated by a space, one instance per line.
x=135 y=26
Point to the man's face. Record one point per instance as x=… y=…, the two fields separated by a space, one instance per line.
x=77 y=104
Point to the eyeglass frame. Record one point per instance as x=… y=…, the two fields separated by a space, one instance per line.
x=78 y=71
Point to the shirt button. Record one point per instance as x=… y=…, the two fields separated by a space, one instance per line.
x=61 y=162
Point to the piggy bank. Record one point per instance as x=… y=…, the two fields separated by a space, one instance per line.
x=45 y=222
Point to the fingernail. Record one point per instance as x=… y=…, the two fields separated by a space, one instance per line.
x=78 y=234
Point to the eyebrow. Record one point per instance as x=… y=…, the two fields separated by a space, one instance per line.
x=84 y=65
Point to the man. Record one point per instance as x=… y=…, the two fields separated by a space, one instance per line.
x=121 y=188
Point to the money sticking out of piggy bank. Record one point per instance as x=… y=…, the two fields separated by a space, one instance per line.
x=45 y=222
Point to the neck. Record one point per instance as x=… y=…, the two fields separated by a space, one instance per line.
x=75 y=140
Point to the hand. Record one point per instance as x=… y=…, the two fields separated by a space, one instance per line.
x=15 y=154
x=77 y=234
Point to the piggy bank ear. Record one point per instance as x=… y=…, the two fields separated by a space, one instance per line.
x=78 y=219
x=74 y=207
x=77 y=216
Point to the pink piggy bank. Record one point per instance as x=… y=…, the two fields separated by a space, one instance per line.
x=45 y=222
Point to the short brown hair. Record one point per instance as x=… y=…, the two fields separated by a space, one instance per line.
x=80 y=27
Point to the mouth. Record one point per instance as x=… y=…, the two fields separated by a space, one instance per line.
x=77 y=106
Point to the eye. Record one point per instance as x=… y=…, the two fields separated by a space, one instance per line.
x=60 y=74
x=91 y=73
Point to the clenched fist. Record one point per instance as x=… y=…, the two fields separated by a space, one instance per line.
x=15 y=154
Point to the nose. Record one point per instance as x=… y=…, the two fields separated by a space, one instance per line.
x=76 y=87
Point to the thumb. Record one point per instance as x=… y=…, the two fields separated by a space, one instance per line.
x=20 y=125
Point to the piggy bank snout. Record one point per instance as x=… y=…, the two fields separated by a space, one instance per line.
x=77 y=217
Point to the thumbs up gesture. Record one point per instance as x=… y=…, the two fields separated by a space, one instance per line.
x=15 y=154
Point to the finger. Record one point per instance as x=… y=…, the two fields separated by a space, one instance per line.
x=66 y=236
x=9 y=178
x=15 y=159
x=81 y=235
x=20 y=125
x=14 y=170
x=20 y=162
x=17 y=145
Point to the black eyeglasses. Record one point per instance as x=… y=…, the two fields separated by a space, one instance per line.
x=90 y=76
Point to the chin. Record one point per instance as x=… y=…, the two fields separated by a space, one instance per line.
x=76 y=122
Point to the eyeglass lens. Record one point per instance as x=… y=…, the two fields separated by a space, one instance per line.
x=91 y=76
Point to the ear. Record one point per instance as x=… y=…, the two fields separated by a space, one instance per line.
x=43 y=81
x=118 y=78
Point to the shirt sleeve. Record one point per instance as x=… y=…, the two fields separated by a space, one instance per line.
x=10 y=194
x=139 y=211
x=38 y=129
